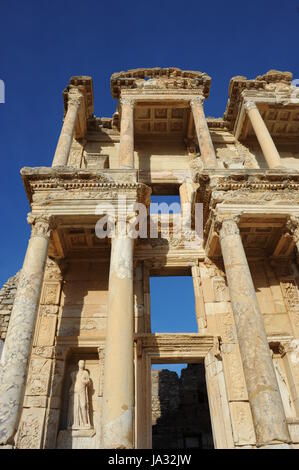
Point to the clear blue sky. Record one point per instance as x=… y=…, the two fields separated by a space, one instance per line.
x=43 y=43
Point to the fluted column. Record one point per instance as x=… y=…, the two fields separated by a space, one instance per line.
x=118 y=393
x=126 y=144
x=203 y=134
x=264 y=396
x=263 y=135
x=62 y=152
x=21 y=327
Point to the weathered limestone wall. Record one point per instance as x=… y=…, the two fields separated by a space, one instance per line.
x=7 y=295
x=180 y=409
x=84 y=299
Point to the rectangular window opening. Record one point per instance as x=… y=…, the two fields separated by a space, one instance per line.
x=172 y=304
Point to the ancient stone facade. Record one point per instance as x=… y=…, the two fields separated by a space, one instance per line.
x=79 y=342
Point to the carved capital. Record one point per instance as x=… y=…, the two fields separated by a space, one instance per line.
x=248 y=105
x=293 y=227
x=41 y=226
x=227 y=225
x=127 y=101
x=75 y=97
x=197 y=101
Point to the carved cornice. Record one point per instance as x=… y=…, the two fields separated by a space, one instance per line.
x=271 y=82
x=167 y=342
x=59 y=179
x=159 y=78
x=82 y=84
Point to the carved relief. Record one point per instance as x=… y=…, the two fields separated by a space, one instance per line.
x=220 y=289
x=39 y=376
x=31 y=428
x=290 y=294
x=234 y=376
x=51 y=293
x=46 y=330
x=242 y=425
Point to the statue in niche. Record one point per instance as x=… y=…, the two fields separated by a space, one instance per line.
x=78 y=410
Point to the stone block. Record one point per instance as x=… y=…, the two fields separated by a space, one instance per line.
x=233 y=372
x=208 y=290
x=243 y=430
x=277 y=324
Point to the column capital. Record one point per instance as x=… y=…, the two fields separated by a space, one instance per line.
x=41 y=226
x=197 y=100
x=248 y=105
x=128 y=100
x=75 y=97
x=226 y=225
x=293 y=227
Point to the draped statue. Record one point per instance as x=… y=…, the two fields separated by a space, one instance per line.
x=78 y=410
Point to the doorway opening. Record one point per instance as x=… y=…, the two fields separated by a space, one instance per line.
x=180 y=408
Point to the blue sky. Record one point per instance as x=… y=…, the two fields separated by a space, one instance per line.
x=43 y=43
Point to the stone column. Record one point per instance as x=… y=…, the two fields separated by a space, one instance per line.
x=203 y=134
x=21 y=327
x=118 y=393
x=264 y=396
x=263 y=135
x=126 y=144
x=66 y=136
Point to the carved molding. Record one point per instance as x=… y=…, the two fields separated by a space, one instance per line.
x=160 y=78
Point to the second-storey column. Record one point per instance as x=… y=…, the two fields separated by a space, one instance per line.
x=263 y=135
x=264 y=396
x=62 y=152
x=118 y=393
x=203 y=134
x=126 y=144
x=17 y=346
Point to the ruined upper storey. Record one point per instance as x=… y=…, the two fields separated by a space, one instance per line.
x=160 y=126
x=171 y=78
